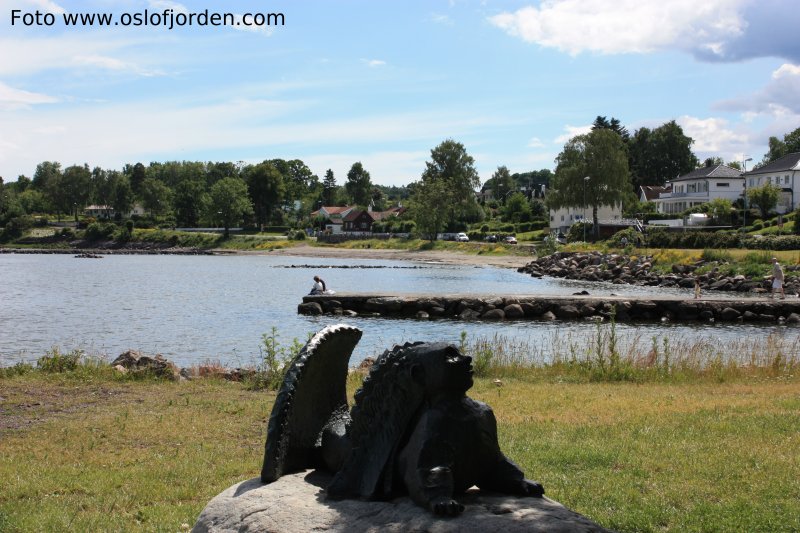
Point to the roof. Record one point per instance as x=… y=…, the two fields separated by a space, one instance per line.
x=355 y=214
x=331 y=210
x=787 y=162
x=651 y=192
x=716 y=171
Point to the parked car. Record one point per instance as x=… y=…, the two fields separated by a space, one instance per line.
x=511 y=240
x=561 y=238
x=491 y=238
x=462 y=237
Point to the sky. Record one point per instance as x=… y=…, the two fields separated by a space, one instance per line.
x=384 y=82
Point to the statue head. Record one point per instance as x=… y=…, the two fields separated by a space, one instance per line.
x=442 y=369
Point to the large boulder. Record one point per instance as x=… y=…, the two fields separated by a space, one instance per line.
x=297 y=503
x=134 y=361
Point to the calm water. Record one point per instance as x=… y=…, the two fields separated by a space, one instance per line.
x=193 y=309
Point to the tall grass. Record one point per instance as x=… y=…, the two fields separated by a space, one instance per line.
x=605 y=357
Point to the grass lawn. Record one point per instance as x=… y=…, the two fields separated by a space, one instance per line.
x=83 y=451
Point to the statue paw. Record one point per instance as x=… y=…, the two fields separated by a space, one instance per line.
x=532 y=488
x=446 y=507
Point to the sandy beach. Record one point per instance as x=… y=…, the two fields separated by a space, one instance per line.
x=419 y=256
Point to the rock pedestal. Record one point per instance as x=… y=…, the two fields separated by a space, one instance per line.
x=297 y=503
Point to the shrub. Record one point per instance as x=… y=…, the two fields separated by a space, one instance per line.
x=17 y=226
x=299 y=235
x=758 y=224
x=55 y=361
x=99 y=231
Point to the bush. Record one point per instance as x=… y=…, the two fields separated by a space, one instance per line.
x=16 y=227
x=54 y=361
x=67 y=233
x=757 y=224
x=299 y=235
x=99 y=231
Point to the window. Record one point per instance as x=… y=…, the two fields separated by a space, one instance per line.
x=562 y=218
x=723 y=184
x=786 y=180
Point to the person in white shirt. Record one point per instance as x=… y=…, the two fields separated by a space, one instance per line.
x=319 y=286
x=777 y=279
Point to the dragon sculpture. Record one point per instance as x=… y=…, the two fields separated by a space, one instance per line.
x=412 y=428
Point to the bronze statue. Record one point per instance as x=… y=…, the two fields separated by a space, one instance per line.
x=412 y=428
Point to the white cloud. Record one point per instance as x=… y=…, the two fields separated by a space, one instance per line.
x=48 y=5
x=33 y=55
x=438 y=18
x=535 y=142
x=372 y=63
x=572 y=131
x=714 y=137
x=779 y=97
x=11 y=98
x=626 y=26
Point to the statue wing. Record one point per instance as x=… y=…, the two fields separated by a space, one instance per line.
x=313 y=390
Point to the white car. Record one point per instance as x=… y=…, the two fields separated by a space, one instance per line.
x=462 y=237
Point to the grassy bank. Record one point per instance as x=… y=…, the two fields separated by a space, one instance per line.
x=88 y=450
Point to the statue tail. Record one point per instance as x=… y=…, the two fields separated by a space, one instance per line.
x=312 y=398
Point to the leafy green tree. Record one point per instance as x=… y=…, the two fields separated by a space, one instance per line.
x=779 y=148
x=190 y=202
x=76 y=185
x=156 y=196
x=358 y=185
x=659 y=155
x=720 y=210
x=123 y=198
x=329 y=188
x=230 y=202
x=45 y=172
x=265 y=184
x=426 y=207
x=454 y=169
x=614 y=125
x=599 y=155
x=502 y=184
x=136 y=176
x=764 y=197
x=517 y=208
x=32 y=201
x=102 y=189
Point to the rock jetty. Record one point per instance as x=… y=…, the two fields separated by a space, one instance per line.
x=623 y=269
x=540 y=307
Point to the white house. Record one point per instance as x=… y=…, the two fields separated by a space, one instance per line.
x=701 y=186
x=783 y=172
x=562 y=219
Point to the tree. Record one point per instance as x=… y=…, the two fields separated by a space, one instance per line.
x=777 y=148
x=764 y=197
x=358 y=185
x=720 y=210
x=76 y=185
x=517 y=208
x=230 y=202
x=329 y=188
x=102 y=189
x=502 y=183
x=136 y=175
x=659 y=155
x=190 y=200
x=155 y=195
x=122 y=198
x=47 y=179
x=266 y=186
x=426 y=207
x=454 y=169
x=614 y=125
x=599 y=155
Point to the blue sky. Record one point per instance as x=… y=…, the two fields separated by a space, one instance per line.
x=383 y=82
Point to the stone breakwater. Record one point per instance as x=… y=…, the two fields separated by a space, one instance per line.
x=576 y=307
x=622 y=269
x=99 y=252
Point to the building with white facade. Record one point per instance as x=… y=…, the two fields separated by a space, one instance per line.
x=701 y=186
x=562 y=219
x=783 y=172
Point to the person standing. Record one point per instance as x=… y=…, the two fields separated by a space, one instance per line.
x=696 y=288
x=777 y=278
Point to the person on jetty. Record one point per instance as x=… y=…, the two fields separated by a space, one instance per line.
x=777 y=279
x=319 y=286
x=696 y=288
